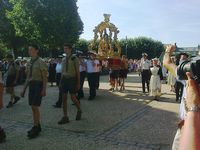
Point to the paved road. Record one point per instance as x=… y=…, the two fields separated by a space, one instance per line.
x=114 y=121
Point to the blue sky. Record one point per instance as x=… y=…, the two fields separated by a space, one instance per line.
x=169 y=21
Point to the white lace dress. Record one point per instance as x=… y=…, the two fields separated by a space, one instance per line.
x=155 y=82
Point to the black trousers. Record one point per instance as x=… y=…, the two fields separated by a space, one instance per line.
x=92 y=78
x=145 y=79
x=82 y=80
x=58 y=78
x=179 y=90
x=98 y=80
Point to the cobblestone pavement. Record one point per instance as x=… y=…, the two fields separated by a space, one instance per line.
x=114 y=121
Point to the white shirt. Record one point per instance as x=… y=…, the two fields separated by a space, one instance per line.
x=145 y=64
x=58 y=68
x=83 y=64
x=91 y=66
x=182 y=111
x=97 y=67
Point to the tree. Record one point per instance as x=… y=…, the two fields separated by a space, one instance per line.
x=47 y=22
x=82 y=45
x=3 y=50
x=7 y=31
x=137 y=46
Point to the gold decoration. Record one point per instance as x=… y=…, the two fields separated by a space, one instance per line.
x=106 y=33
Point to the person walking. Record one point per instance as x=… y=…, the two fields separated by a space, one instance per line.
x=114 y=78
x=37 y=71
x=58 y=78
x=52 y=72
x=83 y=68
x=123 y=72
x=12 y=75
x=70 y=82
x=92 y=75
x=98 y=72
x=145 y=71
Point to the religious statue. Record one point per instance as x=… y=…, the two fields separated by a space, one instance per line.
x=106 y=40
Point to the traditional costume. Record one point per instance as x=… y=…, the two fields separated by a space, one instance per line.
x=155 y=81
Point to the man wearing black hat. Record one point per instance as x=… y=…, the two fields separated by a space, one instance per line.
x=145 y=71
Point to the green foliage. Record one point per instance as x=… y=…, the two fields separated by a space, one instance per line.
x=137 y=46
x=21 y=20
x=3 y=50
x=82 y=45
x=49 y=23
x=7 y=31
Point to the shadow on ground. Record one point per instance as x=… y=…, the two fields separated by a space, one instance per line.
x=113 y=120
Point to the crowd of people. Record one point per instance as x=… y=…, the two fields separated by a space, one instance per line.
x=70 y=71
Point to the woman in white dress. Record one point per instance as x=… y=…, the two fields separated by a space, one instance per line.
x=155 y=81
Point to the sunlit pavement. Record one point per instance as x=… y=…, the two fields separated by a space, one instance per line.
x=113 y=121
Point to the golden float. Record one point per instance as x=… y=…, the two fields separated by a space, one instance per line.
x=106 y=43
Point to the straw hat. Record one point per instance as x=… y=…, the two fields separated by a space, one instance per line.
x=92 y=53
x=155 y=59
x=144 y=54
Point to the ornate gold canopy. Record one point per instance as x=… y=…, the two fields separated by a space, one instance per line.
x=105 y=39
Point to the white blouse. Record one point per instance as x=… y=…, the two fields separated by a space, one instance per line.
x=58 y=68
x=145 y=64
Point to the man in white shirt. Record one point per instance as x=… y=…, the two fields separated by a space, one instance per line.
x=58 y=78
x=82 y=68
x=145 y=71
x=91 y=75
